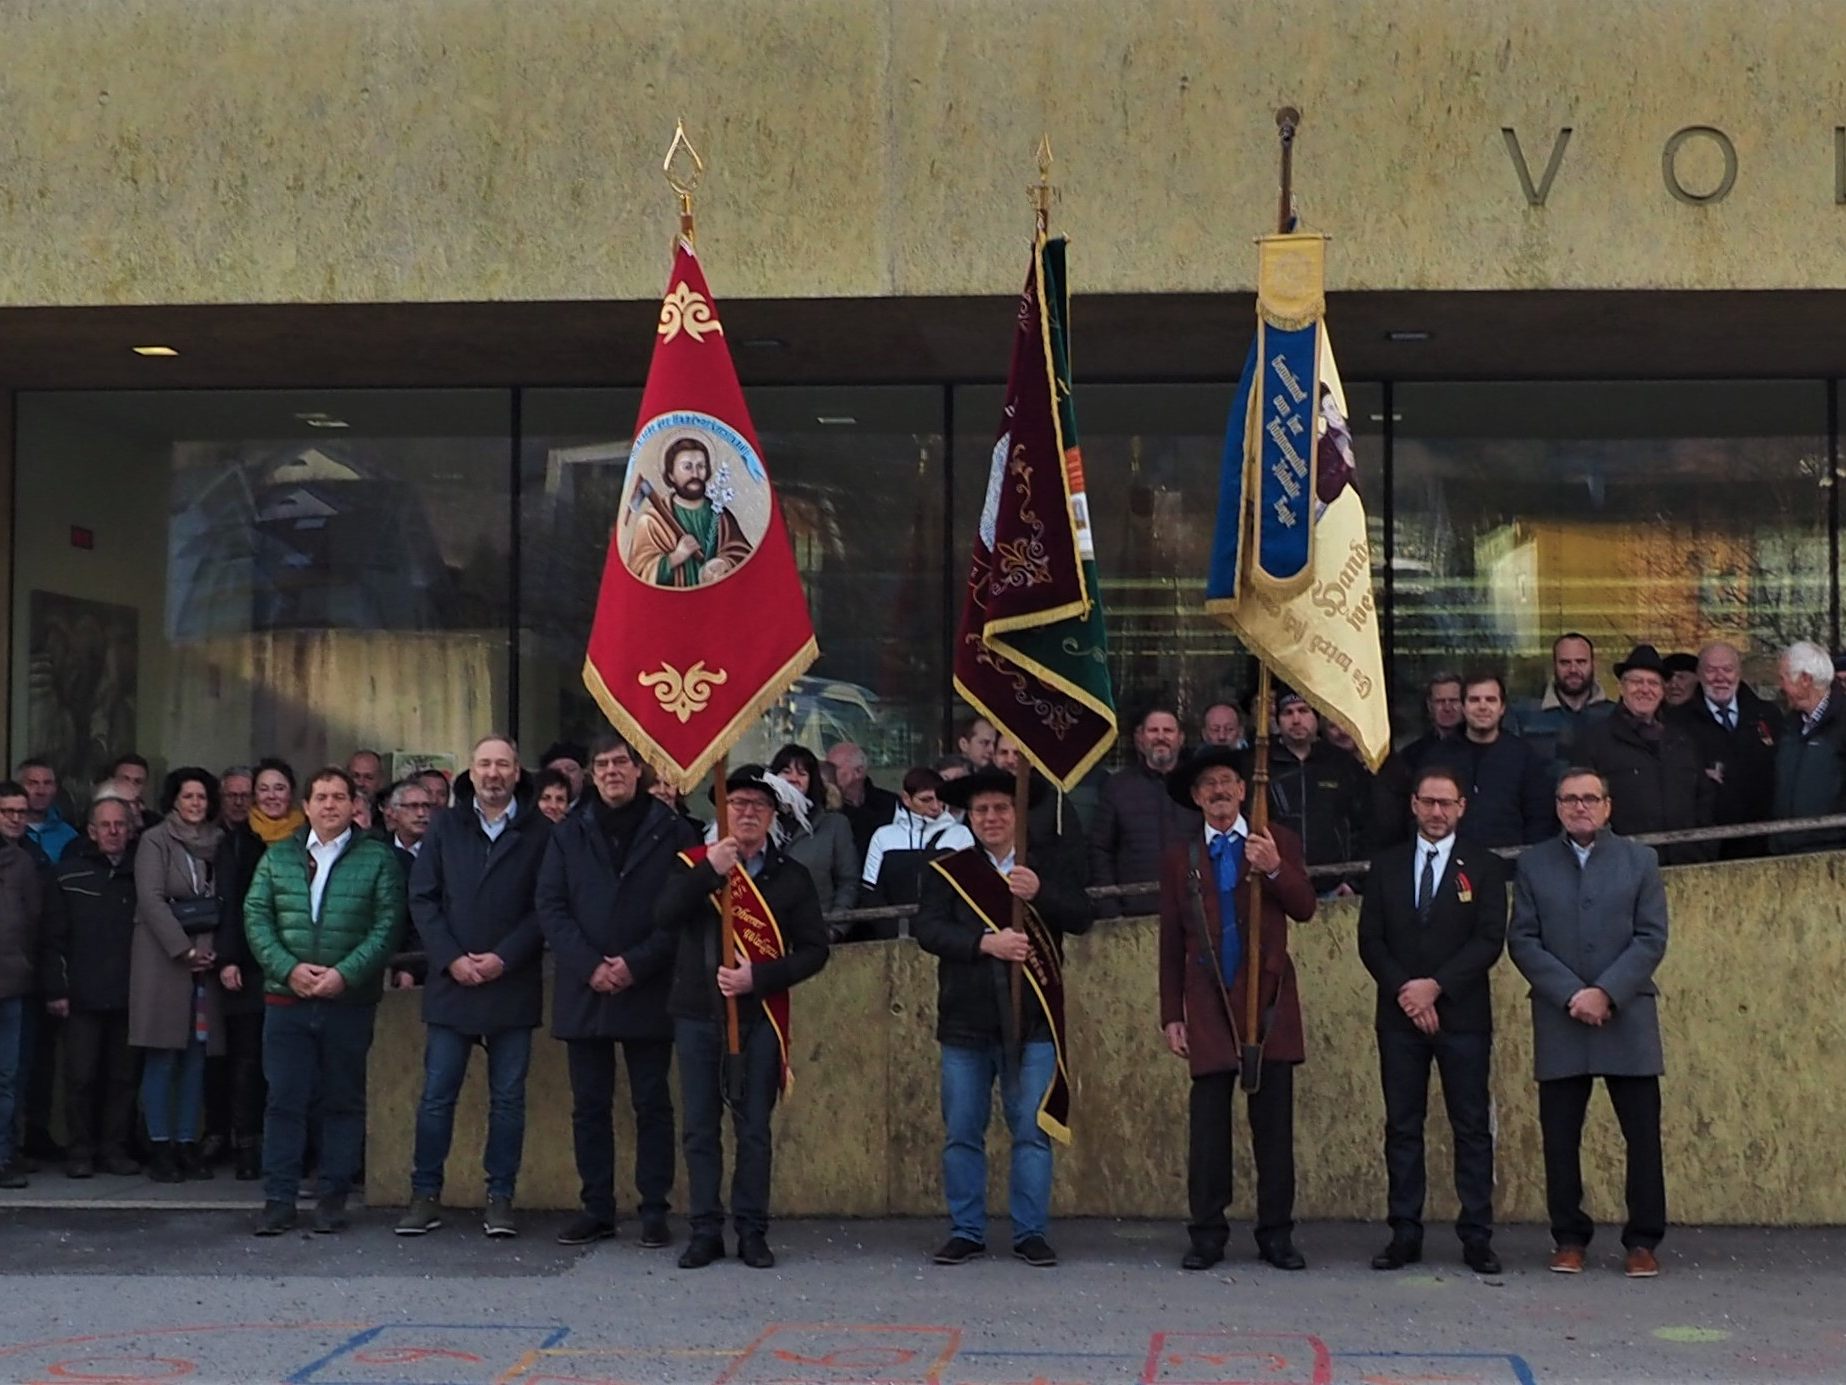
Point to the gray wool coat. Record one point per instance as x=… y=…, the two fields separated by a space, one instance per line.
x=1603 y=924
x=159 y=981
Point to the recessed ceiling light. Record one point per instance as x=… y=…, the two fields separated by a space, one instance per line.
x=324 y=422
x=836 y=420
x=154 y=350
x=1407 y=335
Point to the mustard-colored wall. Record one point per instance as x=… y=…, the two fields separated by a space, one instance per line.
x=251 y=151
x=1755 y=1112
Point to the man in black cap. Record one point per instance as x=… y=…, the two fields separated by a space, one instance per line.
x=781 y=940
x=1319 y=792
x=965 y=918
x=1682 y=674
x=1655 y=769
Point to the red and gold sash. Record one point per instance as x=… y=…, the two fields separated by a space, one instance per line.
x=759 y=939
x=985 y=891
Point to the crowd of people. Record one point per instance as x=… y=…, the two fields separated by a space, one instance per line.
x=203 y=974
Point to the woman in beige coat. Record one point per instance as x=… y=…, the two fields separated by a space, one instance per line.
x=173 y=1008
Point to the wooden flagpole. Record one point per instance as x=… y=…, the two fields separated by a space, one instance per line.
x=1250 y=1064
x=684 y=185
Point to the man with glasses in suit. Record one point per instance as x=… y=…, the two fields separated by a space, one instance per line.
x=1431 y=927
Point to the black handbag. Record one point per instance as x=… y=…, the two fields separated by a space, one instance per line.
x=195 y=916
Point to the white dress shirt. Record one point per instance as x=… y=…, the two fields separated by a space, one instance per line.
x=414 y=848
x=324 y=855
x=1720 y=710
x=1583 y=852
x=1443 y=850
x=498 y=825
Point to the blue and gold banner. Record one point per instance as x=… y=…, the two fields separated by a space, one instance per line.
x=1291 y=566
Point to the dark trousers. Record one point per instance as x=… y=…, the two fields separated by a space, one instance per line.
x=38 y=1072
x=245 y=1088
x=445 y=1068
x=1464 y=1061
x=99 y=1083
x=591 y=1064
x=701 y=1094
x=1271 y=1111
x=1562 y=1103
x=314 y=1046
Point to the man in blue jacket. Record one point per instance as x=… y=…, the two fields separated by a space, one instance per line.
x=597 y=888
x=471 y=899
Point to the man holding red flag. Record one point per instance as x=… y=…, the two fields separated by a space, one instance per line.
x=782 y=940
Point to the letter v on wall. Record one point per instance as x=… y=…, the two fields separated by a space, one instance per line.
x=1535 y=196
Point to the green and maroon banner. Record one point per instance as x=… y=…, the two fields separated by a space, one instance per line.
x=1031 y=655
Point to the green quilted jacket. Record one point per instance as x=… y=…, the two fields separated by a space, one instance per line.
x=361 y=917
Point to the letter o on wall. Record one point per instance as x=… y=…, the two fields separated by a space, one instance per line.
x=1669 y=154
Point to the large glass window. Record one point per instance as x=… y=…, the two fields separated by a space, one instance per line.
x=859 y=475
x=1646 y=512
x=1151 y=460
x=208 y=576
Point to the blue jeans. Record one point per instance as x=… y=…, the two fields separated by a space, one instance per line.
x=968 y=1076
x=12 y=1012
x=701 y=1087
x=173 y=1092
x=314 y=1048
x=445 y=1065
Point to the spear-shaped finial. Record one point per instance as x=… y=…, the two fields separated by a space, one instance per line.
x=683 y=179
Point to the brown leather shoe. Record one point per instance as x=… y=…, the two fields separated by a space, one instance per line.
x=1641 y=1264
x=1567 y=1260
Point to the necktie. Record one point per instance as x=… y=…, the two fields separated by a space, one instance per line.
x=1426 y=884
x=1227 y=869
x=1730 y=718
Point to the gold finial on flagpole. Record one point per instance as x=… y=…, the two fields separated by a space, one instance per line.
x=686 y=182
x=1042 y=189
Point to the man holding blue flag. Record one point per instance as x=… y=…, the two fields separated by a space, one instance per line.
x=1204 y=920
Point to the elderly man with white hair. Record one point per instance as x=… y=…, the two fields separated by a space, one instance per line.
x=1736 y=731
x=1810 y=769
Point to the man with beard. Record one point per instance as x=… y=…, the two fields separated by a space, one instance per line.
x=1136 y=820
x=685 y=540
x=1736 y=733
x=1572 y=703
x=1654 y=769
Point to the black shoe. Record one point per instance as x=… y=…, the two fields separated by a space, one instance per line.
x=1479 y=1257
x=163 y=1167
x=118 y=1165
x=754 y=1251
x=192 y=1164
x=584 y=1228
x=1283 y=1255
x=1201 y=1257
x=23 y=1164
x=330 y=1216
x=1036 y=1251
x=655 y=1233
x=12 y=1176
x=80 y=1166
x=701 y=1252
x=278 y=1219
x=959 y=1250
x=249 y=1163
x=1397 y=1254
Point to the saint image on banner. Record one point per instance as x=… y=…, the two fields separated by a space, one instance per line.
x=695 y=503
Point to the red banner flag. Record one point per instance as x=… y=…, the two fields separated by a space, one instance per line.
x=701 y=622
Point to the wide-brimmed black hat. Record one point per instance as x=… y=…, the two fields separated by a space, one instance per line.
x=957 y=792
x=1680 y=663
x=1643 y=658
x=751 y=776
x=1181 y=779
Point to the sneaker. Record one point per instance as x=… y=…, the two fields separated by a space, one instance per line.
x=423 y=1216
x=700 y=1252
x=497 y=1220
x=330 y=1216
x=584 y=1228
x=1641 y=1263
x=655 y=1233
x=959 y=1250
x=1036 y=1251
x=277 y=1219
